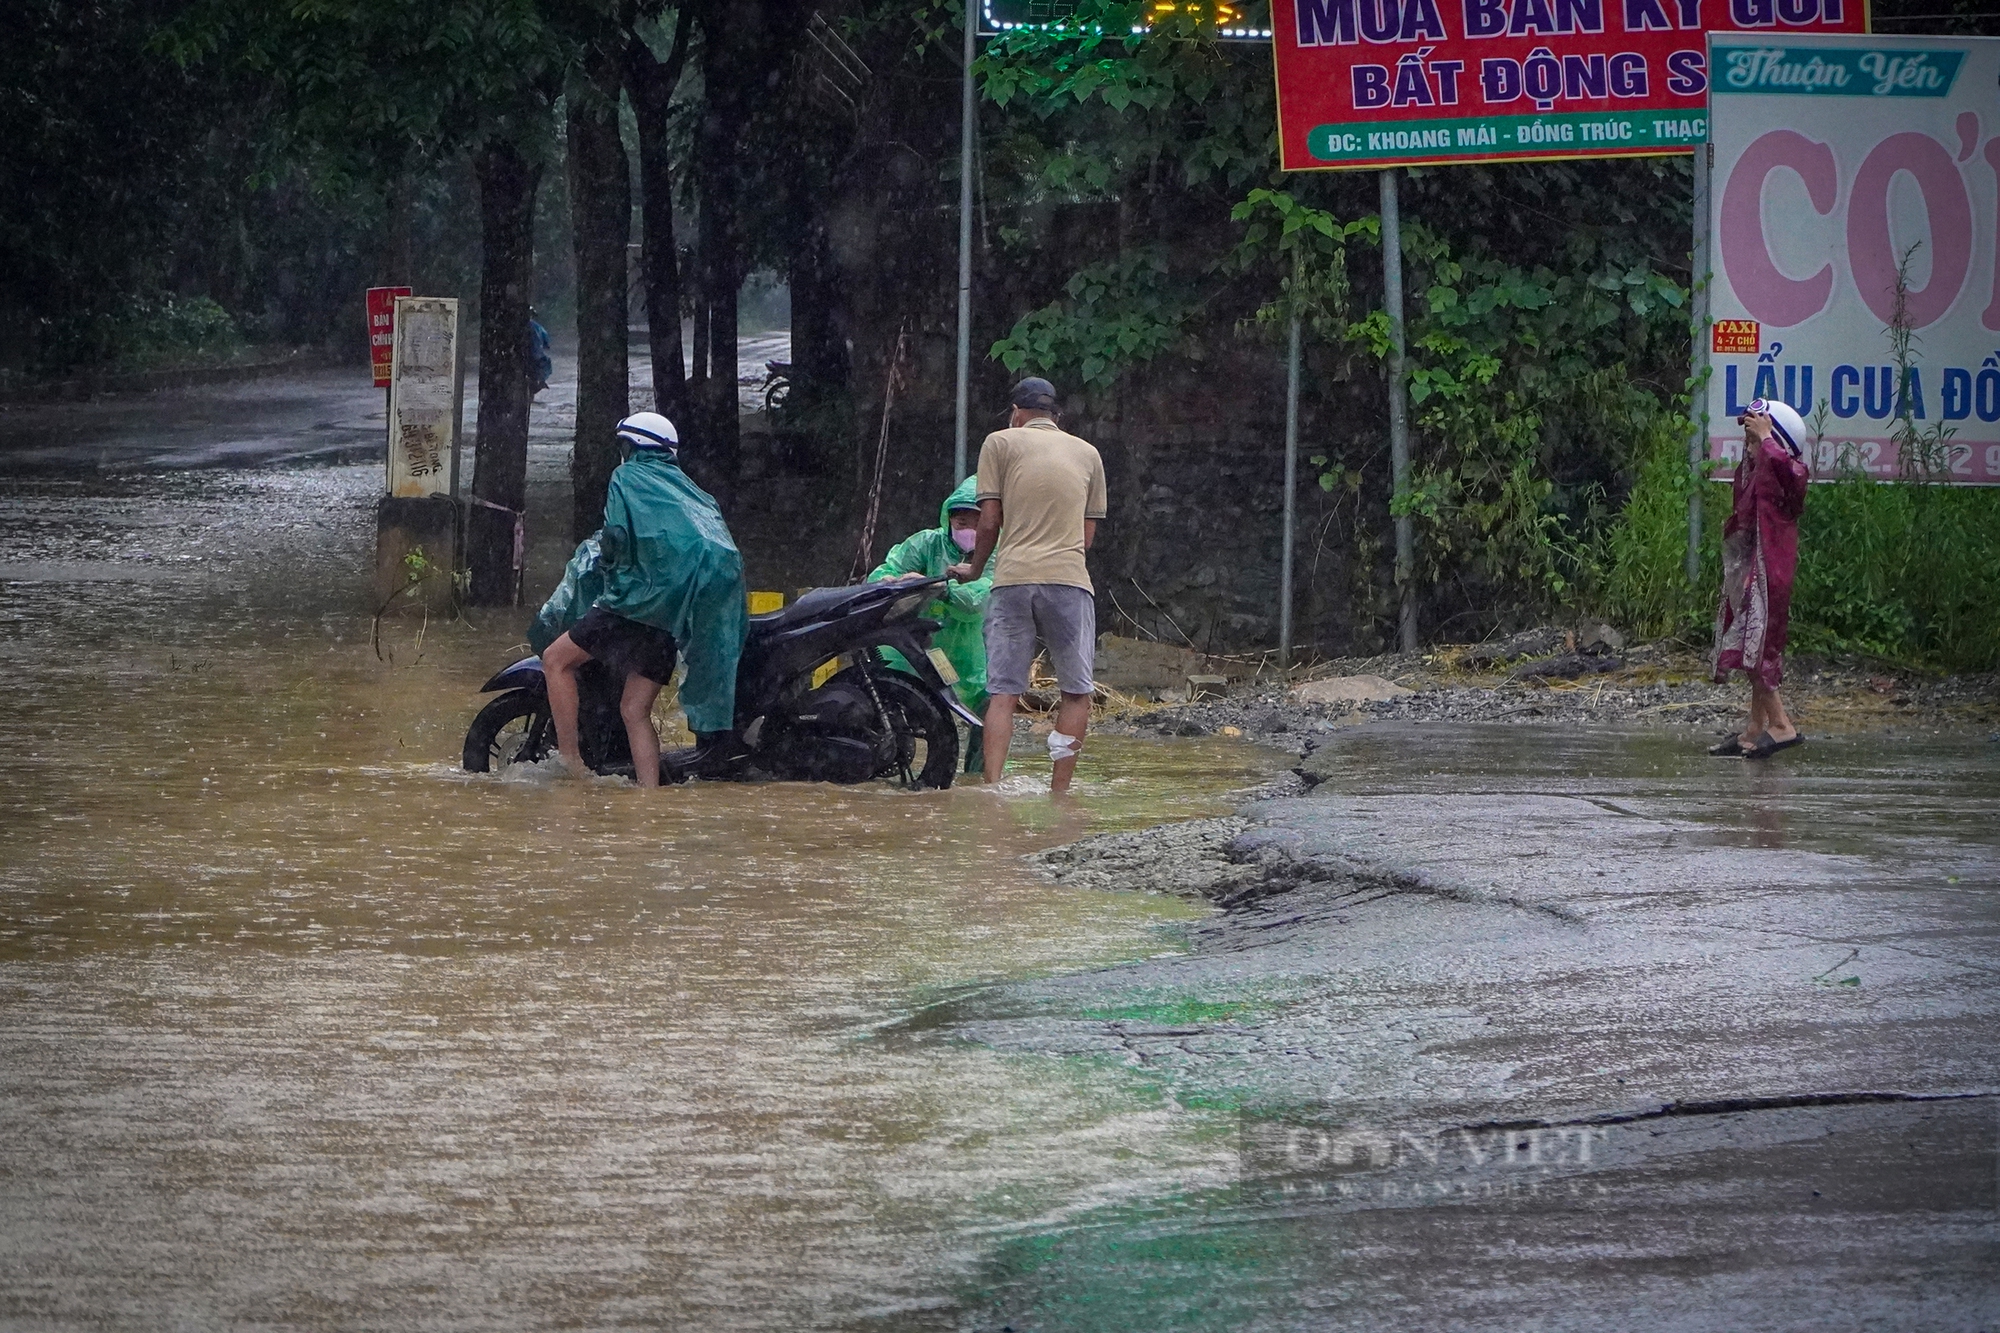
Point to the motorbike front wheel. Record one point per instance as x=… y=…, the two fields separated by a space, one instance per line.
x=512 y=729
x=926 y=738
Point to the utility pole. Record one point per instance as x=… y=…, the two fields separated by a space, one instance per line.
x=1399 y=422
x=965 y=131
x=1291 y=493
x=1698 y=296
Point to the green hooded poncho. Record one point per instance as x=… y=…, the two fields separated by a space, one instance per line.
x=665 y=558
x=962 y=611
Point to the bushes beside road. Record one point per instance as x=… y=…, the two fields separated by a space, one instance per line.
x=1903 y=572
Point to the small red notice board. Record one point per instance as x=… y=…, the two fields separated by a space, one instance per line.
x=382 y=330
x=1735 y=337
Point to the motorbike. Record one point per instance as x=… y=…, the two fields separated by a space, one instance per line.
x=816 y=700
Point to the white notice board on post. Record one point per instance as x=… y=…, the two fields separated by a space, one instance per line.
x=424 y=398
x=1839 y=160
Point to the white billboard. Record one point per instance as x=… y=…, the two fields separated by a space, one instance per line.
x=1837 y=160
x=424 y=398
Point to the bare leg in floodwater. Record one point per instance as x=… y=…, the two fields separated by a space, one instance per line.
x=636 y=707
x=559 y=664
x=999 y=732
x=1072 y=719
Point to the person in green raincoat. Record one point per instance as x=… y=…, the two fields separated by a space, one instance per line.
x=931 y=553
x=661 y=580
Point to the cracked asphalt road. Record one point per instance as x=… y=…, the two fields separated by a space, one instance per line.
x=1770 y=987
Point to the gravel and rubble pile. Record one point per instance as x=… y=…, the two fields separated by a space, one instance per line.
x=1207 y=860
x=1565 y=681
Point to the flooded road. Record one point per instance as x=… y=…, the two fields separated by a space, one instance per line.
x=300 y=1025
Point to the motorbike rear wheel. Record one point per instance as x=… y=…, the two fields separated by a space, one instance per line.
x=512 y=729
x=926 y=738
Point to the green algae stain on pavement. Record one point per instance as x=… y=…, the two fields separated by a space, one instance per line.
x=1143 y=1271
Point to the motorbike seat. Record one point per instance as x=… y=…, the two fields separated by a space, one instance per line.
x=818 y=603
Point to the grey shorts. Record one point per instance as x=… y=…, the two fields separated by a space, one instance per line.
x=1063 y=617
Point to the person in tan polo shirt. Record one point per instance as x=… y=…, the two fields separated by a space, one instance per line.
x=1041 y=494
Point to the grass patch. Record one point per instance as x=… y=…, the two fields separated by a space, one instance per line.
x=1905 y=573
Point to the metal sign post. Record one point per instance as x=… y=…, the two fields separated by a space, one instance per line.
x=1698 y=268
x=966 y=124
x=1291 y=495
x=1399 y=413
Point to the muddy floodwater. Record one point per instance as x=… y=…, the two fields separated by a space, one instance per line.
x=302 y=1026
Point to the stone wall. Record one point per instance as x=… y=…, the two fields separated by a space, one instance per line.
x=1190 y=553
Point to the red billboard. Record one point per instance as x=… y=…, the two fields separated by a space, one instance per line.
x=1378 y=83
x=382 y=330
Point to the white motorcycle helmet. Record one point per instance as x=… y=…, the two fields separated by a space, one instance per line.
x=650 y=430
x=1786 y=424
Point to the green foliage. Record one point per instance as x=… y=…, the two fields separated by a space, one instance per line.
x=367 y=89
x=1110 y=111
x=1308 y=247
x=1902 y=572
x=1921 y=453
x=1117 y=313
x=1645 y=585
x=1097 y=53
x=167 y=330
x=1889 y=570
x=1106 y=113
x=1509 y=368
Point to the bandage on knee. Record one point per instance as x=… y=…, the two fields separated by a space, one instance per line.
x=1063 y=747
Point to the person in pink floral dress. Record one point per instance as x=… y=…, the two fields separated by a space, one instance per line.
x=1760 y=553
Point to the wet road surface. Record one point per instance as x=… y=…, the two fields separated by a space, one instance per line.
x=301 y=1027
x=327 y=416
x=1742 y=1019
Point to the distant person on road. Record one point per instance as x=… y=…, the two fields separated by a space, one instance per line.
x=1760 y=553
x=936 y=553
x=540 y=364
x=1041 y=493
x=671 y=585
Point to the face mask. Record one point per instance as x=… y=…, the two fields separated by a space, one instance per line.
x=965 y=538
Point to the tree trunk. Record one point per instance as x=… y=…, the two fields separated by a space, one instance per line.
x=719 y=162
x=601 y=217
x=507 y=182
x=820 y=361
x=724 y=440
x=651 y=83
x=697 y=381
x=399 y=247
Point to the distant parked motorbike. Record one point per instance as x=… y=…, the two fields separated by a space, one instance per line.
x=815 y=699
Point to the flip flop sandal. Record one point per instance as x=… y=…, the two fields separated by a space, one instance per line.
x=1731 y=747
x=1767 y=747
